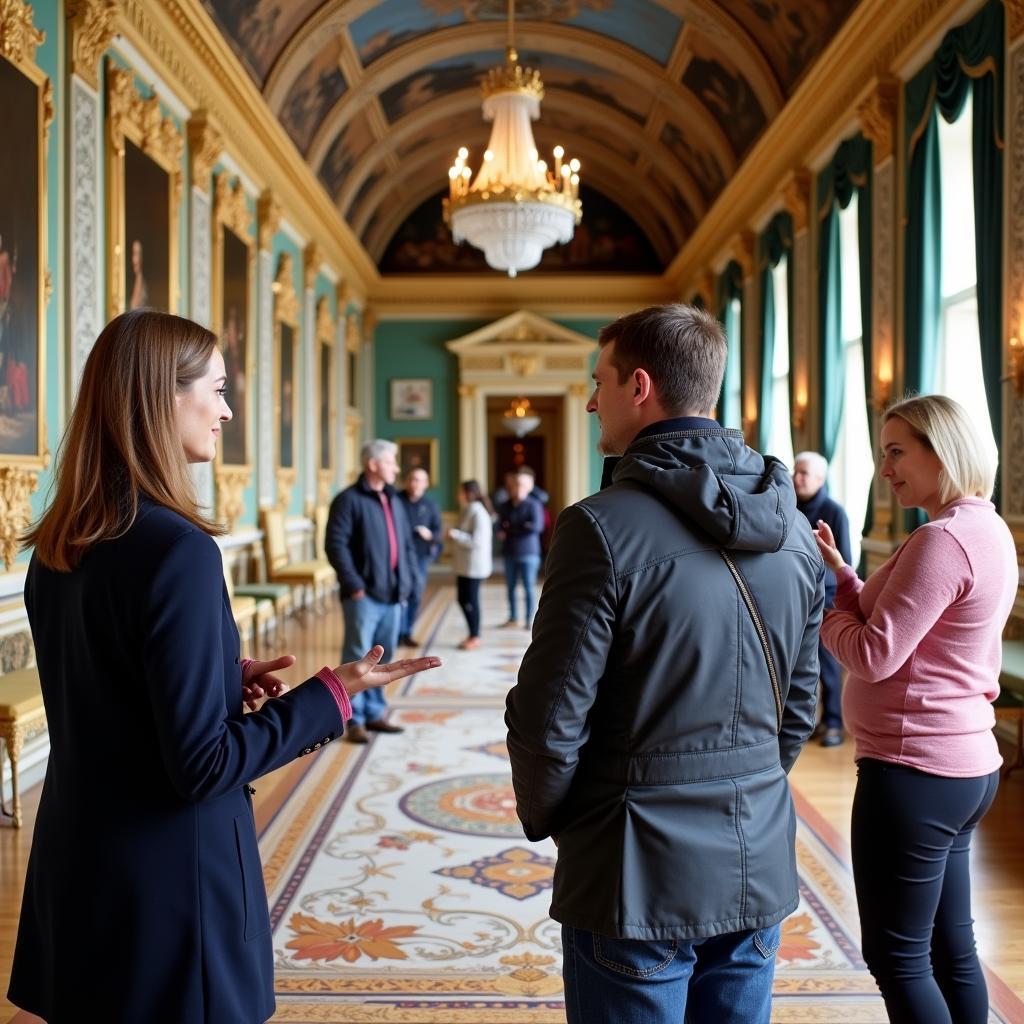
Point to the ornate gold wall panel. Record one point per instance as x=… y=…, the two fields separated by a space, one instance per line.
x=286 y=322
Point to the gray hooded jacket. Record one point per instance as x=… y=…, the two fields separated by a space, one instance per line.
x=668 y=690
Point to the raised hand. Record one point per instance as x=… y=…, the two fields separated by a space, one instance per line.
x=258 y=680
x=367 y=672
x=827 y=545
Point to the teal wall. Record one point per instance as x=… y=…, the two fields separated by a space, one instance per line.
x=416 y=348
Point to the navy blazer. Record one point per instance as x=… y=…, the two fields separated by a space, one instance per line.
x=144 y=896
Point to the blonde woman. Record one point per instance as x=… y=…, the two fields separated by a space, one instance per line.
x=471 y=558
x=921 y=641
x=145 y=836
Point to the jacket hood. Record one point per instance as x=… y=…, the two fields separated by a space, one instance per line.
x=743 y=500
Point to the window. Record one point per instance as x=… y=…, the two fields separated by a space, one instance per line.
x=958 y=370
x=852 y=462
x=780 y=437
x=731 y=415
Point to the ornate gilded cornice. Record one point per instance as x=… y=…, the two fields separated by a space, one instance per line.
x=743 y=249
x=16 y=487
x=312 y=258
x=231 y=484
x=324 y=321
x=796 y=197
x=19 y=37
x=129 y=115
x=707 y=289
x=353 y=331
x=268 y=215
x=370 y=321
x=878 y=114
x=230 y=206
x=92 y=24
x=286 y=302
x=205 y=145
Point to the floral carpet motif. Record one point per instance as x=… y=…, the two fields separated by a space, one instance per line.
x=402 y=888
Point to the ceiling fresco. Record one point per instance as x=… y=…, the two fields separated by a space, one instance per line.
x=660 y=99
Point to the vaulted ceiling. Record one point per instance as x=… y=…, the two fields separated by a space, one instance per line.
x=659 y=99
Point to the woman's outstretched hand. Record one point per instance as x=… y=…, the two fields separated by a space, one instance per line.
x=367 y=672
x=258 y=680
x=827 y=546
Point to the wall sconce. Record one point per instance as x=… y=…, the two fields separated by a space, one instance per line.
x=882 y=392
x=800 y=408
x=1015 y=366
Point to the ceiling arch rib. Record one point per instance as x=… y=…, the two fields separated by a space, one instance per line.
x=560 y=40
x=424 y=175
x=587 y=110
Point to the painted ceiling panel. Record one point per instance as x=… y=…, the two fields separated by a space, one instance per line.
x=378 y=95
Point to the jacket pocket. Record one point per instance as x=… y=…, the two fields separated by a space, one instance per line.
x=636 y=958
x=254 y=893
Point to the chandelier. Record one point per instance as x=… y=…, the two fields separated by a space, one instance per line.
x=517 y=206
x=519 y=418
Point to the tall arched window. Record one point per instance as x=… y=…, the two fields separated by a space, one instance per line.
x=731 y=413
x=780 y=437
x=852 y=464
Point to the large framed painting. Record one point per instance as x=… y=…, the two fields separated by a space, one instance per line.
x=327 y=416
x=144 y=181
x=233 y=257
x=418 y=453
x=24 y=282
x=412 y=398
x=286 y=376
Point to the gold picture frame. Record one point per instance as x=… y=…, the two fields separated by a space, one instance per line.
x=353 y=417
x=418 y=453
x=233 y=257
x=25 y=283
x=287 y=343
x=140 y=137
x=327 y=413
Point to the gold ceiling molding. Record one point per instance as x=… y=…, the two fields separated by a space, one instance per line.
x=230 y=206
x=742 y=250
x=878 y=116
x=268 y=216
x=609 y=54
x=181 y=41
x=876 y=35
x=312 y=258
x=796 y=197
x=707 y=289
x=353 y=332
x=205 y=145
x=19 y=37
x=324 y=321
x=92 y=25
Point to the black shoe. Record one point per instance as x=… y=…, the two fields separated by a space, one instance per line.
x=407 y=641
x=819 y=730
x=832 y=738
x=356 y=733
x=381 y=726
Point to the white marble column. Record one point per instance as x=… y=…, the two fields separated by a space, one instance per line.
x=269 y=216
x=341 y=386
x=310 y=405
x=200 y=310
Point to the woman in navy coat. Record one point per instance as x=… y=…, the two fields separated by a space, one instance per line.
x=144 y=901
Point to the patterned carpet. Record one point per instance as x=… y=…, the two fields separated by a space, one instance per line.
x=402 y=888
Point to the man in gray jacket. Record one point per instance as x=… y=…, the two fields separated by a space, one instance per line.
x=668 y=690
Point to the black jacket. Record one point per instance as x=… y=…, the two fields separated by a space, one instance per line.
x=145 y=793
x=645 y=730
x=356 y=543
x=423 y=513
x=823 y=506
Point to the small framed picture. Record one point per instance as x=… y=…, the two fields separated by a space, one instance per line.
x=418 y=453
x=412 y=398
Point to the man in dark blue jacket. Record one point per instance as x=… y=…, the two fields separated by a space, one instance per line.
x=369 y=544
x=520 y=526
x=812 y=497
x=425 y=522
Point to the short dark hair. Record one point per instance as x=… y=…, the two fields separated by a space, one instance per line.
x=682 y=348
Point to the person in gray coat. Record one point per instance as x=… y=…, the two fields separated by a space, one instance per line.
x=668 y=690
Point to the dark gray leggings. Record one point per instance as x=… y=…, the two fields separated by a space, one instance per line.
x=468 y=596
x=911 y=854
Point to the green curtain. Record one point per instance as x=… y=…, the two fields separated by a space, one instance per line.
x=730 y=286
x=776 y=244
x=969 y=59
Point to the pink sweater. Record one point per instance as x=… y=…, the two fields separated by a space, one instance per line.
x=921 y=643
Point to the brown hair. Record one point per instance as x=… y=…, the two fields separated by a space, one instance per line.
x=682 y=348
x=122 y=441
x=474 y=492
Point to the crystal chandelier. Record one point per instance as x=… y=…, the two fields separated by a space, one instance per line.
x=519 y=418
x=517 y=207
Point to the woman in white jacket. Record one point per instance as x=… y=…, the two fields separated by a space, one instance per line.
x=472 y=555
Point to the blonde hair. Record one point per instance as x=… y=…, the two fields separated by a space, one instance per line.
x=968 y=464
x=122 y=440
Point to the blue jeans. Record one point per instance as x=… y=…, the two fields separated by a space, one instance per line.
x=525 y=567
x=412 y=607
x=726 y=979
x=369 y=622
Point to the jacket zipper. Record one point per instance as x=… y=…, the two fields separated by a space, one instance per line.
x=748 y=600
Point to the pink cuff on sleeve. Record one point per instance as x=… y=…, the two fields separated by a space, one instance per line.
x=245 y=663
x=846 y=575
x=338 y=692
